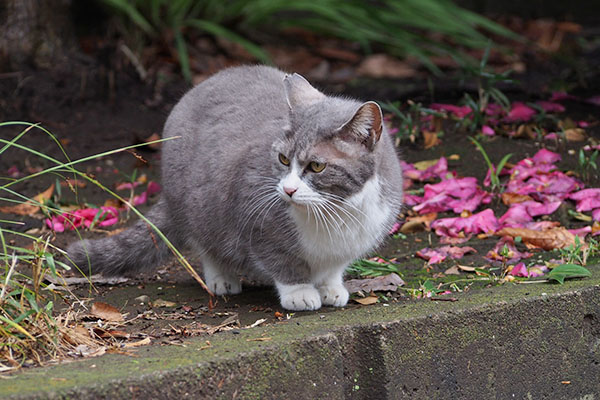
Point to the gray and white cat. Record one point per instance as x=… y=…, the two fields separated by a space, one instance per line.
x=269 y=176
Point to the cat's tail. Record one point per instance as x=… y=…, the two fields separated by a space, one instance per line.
x=127 y=252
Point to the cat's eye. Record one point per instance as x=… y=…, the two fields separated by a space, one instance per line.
x=316 y=166
x=283 y=159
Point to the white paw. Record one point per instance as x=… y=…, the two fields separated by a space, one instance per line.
x=221 y=285
x=334 y=295
x=301 y=297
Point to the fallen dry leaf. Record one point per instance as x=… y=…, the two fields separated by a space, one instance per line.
x=384 y=66
x=154 y=146
x=466 y=268
x=418 y=223
x=575 y=135
x=84 y=350
x=29 y=207
x=106 y=312
x=512 y=198
x=111 y=333
x=163 y=303
x=431 y=139
x=388 y=282
x=143 y=342
x=73 y=183
x=365 y=301
x=452 y=271
x=554 y=238
x=259 y=339
x=423 y=165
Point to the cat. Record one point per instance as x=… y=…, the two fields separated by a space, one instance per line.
x=267 y=175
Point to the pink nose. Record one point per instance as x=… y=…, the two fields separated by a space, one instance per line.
x=289 y=191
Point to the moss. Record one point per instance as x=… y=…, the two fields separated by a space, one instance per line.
x=227 y=346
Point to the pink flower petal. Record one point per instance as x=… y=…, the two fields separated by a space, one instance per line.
x=550 y=106
x=412 y=200
x=537 y=270
x=519 y=270
x=551 y=136
x=127 y=185
x=585 y=193
x=520 y=112
x=458 y=111
x=515 y=217
x=435 y=256
x=595 y=100
x=534 y=208
x=596 y=215
x=581 y=232
x=560 y=96
x=153 y=188
x=56 y=224
x=432 y=256
x=513 y=255
x=546 y=157
x=395 y=228
x=457 y=252
x=482 y=222
x=487 y=130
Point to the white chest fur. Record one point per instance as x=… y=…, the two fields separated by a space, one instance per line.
x=338 y=233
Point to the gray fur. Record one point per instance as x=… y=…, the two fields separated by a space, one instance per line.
x=232 y=128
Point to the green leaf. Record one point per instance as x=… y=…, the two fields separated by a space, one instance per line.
x=565 y=271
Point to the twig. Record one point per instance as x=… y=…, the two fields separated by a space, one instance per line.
x=10 y=271
x=135 y=61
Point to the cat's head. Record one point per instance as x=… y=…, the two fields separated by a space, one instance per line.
x=329 y=149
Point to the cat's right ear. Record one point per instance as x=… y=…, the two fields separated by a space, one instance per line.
x=300 y=93
x=365 y=126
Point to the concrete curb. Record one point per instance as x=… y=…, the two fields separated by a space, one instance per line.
x=520 y=341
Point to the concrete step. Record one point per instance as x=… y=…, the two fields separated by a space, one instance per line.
x=527 y=341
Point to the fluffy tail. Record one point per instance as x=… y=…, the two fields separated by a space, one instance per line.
x=134 y=249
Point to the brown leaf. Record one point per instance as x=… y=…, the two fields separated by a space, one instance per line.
x=431 y=139
x=388 y=282
x=418 y=223
x=106 y=312
x=111 y=333
x=29 y=207
x=575 y=135
x=163 y=303
x=512 y=198
x=143 y=342
x=452 y=271
x=365 y=301
x=151 y=138
x=384 y=66
x=73 y=183
x=554 y=238
x=423 y=165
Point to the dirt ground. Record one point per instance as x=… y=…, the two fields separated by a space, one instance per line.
x=91 y=112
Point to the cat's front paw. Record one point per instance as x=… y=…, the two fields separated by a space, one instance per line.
x=334 y=295
x=302 y=297
x=222 y=285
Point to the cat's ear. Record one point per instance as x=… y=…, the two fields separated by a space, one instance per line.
x=299 y=92
x=366 y=125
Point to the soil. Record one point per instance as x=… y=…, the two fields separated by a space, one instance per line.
x=91 y=110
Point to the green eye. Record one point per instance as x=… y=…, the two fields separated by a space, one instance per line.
x=283 y=159
x=316 y=166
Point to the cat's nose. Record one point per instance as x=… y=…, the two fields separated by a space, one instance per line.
x=289 y=191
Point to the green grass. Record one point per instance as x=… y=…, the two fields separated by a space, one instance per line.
x=30 y=333
x=399 y=27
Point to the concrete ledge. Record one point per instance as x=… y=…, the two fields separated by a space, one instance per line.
x=518 y=341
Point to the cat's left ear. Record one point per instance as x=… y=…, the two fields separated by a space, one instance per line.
x=299 y=92
x=366 y=125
